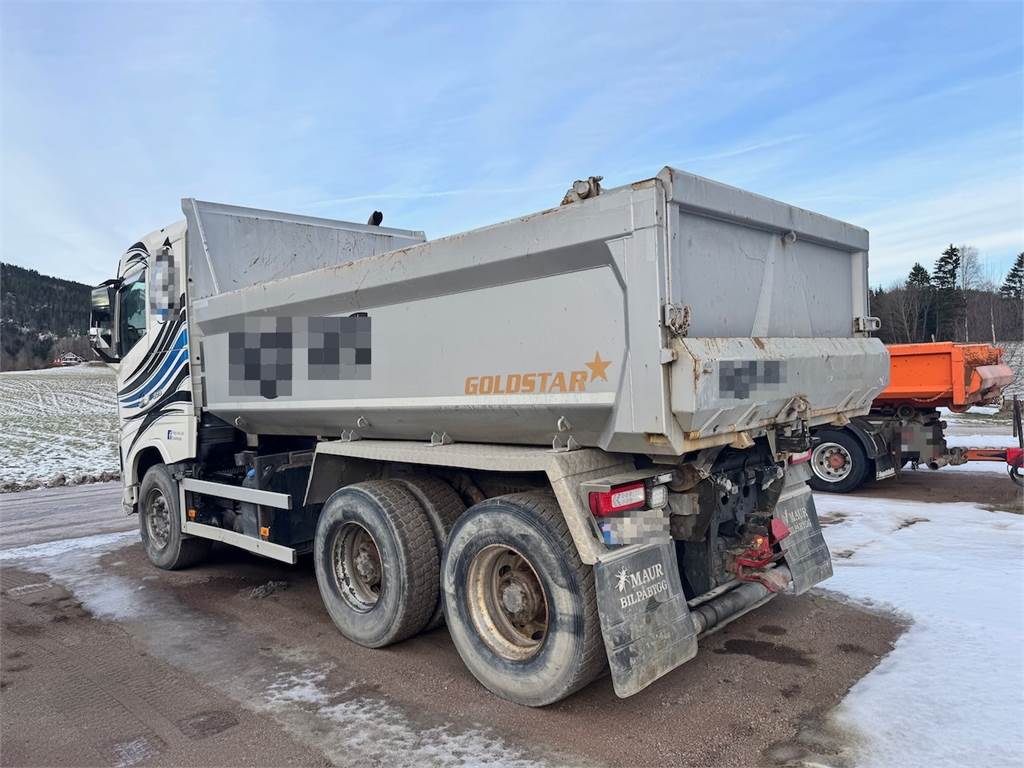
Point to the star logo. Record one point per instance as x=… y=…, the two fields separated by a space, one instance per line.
x=622 y=575
x=598 y=367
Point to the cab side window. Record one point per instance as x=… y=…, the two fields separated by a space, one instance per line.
x=132 y=313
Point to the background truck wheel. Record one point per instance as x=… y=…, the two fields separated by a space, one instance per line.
x=376 y=563
x=442 y=506
x=160 y=523
x=520 y=605
x=838 y=462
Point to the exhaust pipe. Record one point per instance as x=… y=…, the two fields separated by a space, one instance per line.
x=715 y=614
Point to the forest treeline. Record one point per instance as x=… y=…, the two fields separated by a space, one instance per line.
x=41 y=318
x=955 y=301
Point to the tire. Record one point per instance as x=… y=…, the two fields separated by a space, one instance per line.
x=442 y=506
x=535 y=667
x=160 y=523
x=833 y=444
x=376 y=563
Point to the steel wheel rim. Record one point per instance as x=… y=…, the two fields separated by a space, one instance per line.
x=357 y=566
x=832 y=462
x=158 y=519
x=507 y=602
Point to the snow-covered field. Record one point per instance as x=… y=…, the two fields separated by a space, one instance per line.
x=951 y=693
x=981 y=417
x=57 y=421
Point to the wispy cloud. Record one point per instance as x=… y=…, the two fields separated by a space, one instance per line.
x=454 y=116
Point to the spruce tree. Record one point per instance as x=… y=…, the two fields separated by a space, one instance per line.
x=919 y=277
x=920 y=304
x=949 y=302
x=1013 y=286
x=946 y=268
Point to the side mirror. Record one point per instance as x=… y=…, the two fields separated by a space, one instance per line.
x=101 y=321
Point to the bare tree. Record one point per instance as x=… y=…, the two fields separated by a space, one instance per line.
x=970 y=273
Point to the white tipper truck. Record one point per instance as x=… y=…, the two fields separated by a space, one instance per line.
x=578 y=438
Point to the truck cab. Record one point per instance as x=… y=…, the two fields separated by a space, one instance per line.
x=139 y=328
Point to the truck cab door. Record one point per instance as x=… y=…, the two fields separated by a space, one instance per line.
x=132 y=346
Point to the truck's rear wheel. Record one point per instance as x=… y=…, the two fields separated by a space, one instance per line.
x=160 y=523
x=442 y=506
x=376 y=563
x=839 y=463
x=520 y=605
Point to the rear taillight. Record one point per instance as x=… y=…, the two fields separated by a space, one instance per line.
x=619 y=499
x=799 y=458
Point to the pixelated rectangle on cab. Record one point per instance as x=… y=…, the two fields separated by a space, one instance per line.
x=739 y=378
x=163 y=286
x=339 y=348
x=260 y=357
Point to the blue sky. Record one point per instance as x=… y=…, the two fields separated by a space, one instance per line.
x=905 y=118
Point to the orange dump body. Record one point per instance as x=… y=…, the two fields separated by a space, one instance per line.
x=944 y=374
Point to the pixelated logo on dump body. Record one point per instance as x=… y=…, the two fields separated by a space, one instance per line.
x=263 y=352
x=739 y=378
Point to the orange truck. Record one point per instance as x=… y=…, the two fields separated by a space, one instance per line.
x=904 y=427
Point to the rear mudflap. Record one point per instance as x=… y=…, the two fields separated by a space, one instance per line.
x=804 y=549
x=647 y=627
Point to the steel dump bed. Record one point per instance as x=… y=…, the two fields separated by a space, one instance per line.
x=657 y=318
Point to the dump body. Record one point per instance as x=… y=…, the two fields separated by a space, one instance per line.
x=944 y=375
x=656 y=318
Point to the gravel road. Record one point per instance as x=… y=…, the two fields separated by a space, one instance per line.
x=108 y=661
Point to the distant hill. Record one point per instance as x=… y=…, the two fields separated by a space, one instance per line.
x=41 y=317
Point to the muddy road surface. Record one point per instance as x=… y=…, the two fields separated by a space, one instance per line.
x=108 y=661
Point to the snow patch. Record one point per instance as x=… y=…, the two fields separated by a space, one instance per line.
x=102 y=541
x=981 y=441
x=377 y=729
x=951 y=693
x=364 y=729
x=305 y=687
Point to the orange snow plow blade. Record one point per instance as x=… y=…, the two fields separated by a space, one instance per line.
x=944 y=374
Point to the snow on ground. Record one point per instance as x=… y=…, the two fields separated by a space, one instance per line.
x=976 y=410
x=981 y=441
x=951 y=693
x=61 y=420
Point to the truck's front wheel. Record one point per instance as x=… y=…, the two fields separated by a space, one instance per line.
x=520 y=605
x=160 y=523
x=839 y=463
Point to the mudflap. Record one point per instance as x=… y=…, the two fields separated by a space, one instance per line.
x=804 y=549
x=647 y=627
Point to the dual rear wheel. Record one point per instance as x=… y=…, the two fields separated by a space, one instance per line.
x=520 y=605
